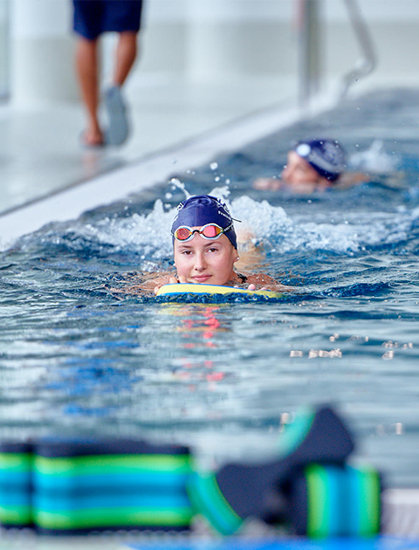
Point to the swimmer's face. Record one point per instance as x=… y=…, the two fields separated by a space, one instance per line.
x=205 y=262
x=298 y=171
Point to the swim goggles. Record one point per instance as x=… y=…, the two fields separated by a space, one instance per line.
x=209 y=231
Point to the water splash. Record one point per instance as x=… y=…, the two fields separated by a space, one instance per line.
x=148 y=235
x=177 y=184
x=375 y=160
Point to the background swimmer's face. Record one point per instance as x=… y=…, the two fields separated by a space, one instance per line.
x=298 y=171
x=205 y=262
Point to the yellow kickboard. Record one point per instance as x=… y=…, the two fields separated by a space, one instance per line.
x=190 y=288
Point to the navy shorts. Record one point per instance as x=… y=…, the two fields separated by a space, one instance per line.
x=94 y=17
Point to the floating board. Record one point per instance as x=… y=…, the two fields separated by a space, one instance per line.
x=190 y=288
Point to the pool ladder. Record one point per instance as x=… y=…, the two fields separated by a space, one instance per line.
x=309 y=49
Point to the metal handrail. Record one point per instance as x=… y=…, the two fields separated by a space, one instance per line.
x=309 y=49
x=367 y=64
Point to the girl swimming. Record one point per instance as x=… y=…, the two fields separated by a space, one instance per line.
x=313 y=166
x=205 y=248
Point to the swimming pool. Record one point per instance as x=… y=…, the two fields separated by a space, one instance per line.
x=79 y=359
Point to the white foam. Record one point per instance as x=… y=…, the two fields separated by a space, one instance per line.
x=150 y=234
x=375 y=160
x=309 y=231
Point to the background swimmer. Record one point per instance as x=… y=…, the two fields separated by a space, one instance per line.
x=205 y=249
x=313 y=165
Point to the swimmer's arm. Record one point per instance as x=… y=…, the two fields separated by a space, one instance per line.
x=173 y=280
x=349 y=179
x=393 y=180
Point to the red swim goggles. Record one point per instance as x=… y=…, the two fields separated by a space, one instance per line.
x=210 y=231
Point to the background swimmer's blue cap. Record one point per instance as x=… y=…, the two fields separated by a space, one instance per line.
x=202 y=209
x=326 y=156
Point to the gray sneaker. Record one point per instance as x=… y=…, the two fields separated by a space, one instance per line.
x=117 y=131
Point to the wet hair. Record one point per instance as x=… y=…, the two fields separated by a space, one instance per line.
x=327 y=157
x=202 y=209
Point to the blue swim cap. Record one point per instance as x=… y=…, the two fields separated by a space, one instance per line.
x=202 y=209
x=326 y=156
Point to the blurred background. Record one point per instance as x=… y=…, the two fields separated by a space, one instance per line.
x=202 y=64
x=204 y=41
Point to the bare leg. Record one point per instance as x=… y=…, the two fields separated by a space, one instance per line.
x=126 y=53
x=88 y=75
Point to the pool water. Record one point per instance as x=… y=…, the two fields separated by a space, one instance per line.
x=78 y=358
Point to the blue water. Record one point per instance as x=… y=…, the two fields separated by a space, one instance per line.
x=77 y=358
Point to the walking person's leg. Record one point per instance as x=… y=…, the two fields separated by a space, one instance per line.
x=126 y=54
x=87 y=68
x=88 y=26
x=91 y=19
